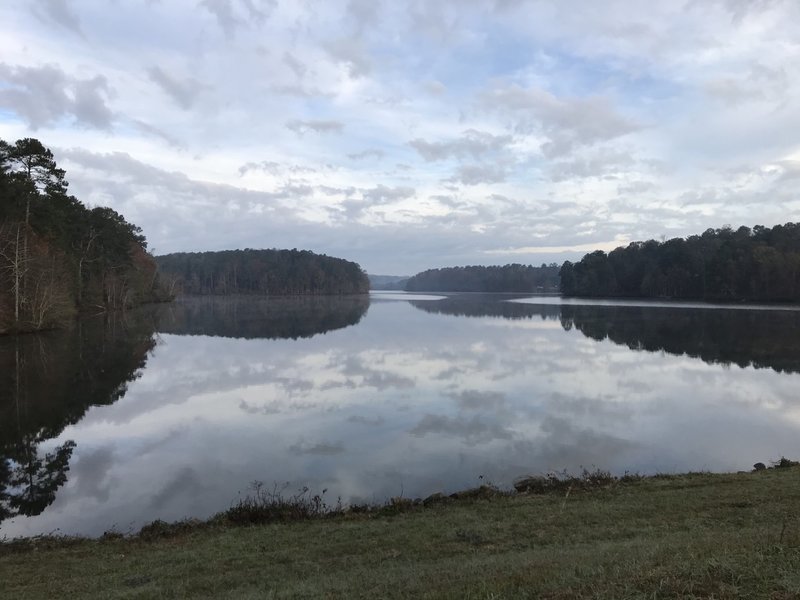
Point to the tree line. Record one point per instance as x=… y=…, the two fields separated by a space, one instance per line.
x=507 y=278
x=758 y=264
x=57 y=256
x=263 y=272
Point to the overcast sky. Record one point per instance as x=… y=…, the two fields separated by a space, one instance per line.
x=410 y=135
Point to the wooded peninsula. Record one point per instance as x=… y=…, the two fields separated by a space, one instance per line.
x=263 y=272
x=758 y=264
x=59 y=257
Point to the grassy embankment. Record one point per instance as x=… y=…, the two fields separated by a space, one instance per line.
x=695 y=535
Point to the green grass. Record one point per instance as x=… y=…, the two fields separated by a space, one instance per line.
x=687 y=536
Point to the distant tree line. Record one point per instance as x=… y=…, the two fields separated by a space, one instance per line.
x=57 y=256
x=508 y=278
x=387 y=282
x=263 y=272
x=760 y=264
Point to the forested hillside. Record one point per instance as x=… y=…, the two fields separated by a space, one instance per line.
x=264 y=272
x=508 y=278
x=56 y=255
x=721 y=264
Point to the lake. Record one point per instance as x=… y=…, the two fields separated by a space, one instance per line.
x=172 y=411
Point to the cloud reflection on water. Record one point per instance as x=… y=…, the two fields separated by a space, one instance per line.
x=418 y=399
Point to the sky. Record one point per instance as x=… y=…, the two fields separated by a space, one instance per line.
x=408 y=135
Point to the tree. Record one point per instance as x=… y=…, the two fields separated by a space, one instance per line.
x=58 y=256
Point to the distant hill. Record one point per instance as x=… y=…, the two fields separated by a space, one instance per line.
x=507 y=278
x=263 y=272
x=387 y=282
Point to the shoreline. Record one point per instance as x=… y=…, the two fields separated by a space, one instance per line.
x=269 y=505
x=682 y=535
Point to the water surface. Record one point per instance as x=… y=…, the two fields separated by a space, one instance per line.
x=171 y=411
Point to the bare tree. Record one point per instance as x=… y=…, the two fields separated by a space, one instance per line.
x=15 y=259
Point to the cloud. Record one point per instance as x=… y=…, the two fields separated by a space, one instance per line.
x=472 y=143
x=43 y=95
x=93 y=471
x=741 y=9
x=596 y=165
x=577 y=248
x=297 y=66
x=434 y=87
x=476 y=174
x=224 y=13
x=363 y=420
x=351 y=53
x=183 y=91
x=88 y=105
x=382 y=194
x=230 y=18
x=59 y=12
x=364 y=13
x=476 y=430
x=355 y=367
x=567 y=123
x=301 y=91
x=477 y=400
x=158 y=133
x=368 y=153
x=317 y=449
x=271 y=167
x=267 y=166
x=316 y=125
x=791 y=170
x=185 y=484
x=232 y=14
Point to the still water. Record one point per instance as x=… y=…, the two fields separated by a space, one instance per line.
x=172 y=411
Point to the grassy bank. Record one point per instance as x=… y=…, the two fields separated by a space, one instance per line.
x=695 y=535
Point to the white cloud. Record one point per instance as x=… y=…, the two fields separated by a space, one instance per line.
x=59 y=12
x=182 y=91
x=316 y=125
x=41 y=96
x=567 y=123
x=472 y=143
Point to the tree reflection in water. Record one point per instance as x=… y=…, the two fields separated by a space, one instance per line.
x=49 y=381
x=757 y=338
